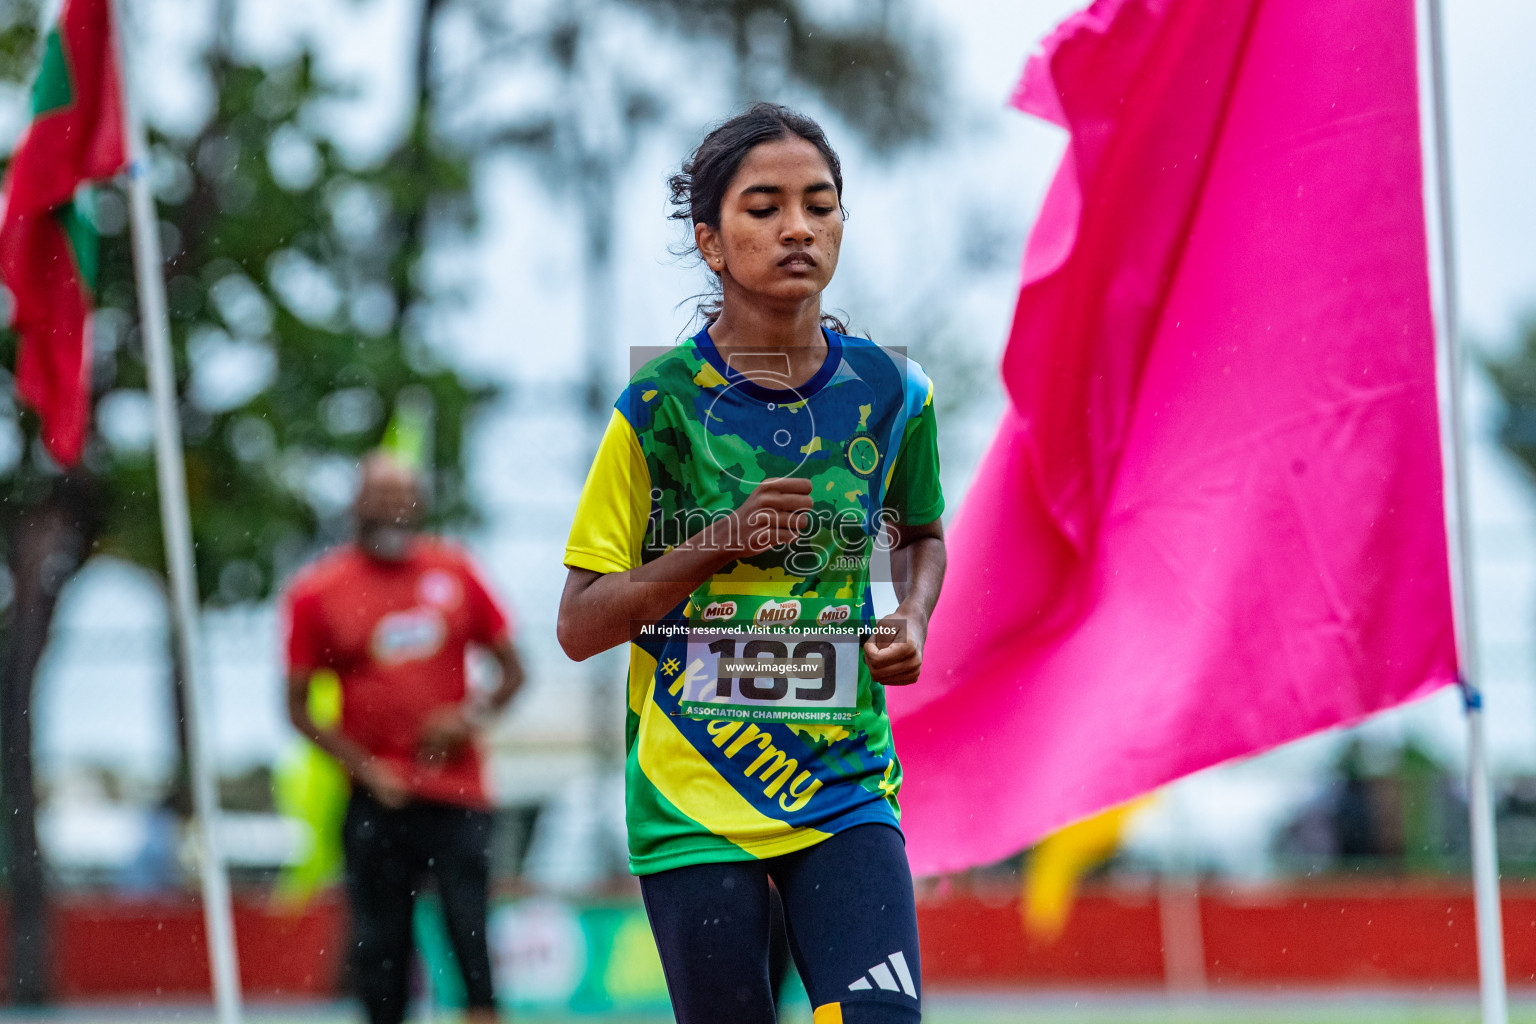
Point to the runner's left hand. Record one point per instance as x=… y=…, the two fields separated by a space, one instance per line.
x=897 y=662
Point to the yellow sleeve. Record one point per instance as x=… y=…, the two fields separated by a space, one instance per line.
x=615 y=504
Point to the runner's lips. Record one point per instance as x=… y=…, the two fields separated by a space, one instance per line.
x=798 y=259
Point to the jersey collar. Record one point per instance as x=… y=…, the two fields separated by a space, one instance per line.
x=734 y=379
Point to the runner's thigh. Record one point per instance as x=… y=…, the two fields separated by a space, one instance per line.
x=853 y=926
x=711 y=927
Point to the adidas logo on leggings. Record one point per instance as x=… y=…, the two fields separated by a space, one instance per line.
x=882 y=975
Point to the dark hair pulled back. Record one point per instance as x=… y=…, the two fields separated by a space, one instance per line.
x=698 y=189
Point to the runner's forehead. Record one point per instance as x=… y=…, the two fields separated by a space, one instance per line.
x=783 y=166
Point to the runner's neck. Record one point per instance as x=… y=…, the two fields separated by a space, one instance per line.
x=761 y=343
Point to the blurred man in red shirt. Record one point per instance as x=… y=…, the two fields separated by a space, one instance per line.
x=393 y=614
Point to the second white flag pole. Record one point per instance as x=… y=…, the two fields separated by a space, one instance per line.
x=1440 y=224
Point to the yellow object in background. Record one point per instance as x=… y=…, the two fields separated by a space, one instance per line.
x=634 y=966
x=1060 y=861
x=309 y=786
x=409 y=434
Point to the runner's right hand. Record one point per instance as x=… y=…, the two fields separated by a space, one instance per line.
x=774 y=514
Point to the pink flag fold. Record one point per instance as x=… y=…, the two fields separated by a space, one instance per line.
x=1211 y=520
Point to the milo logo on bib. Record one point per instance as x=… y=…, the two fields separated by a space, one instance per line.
x=717 y=610
x=777 y=613
x=833 y=614
x=795 y=614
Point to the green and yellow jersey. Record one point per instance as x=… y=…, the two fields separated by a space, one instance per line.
x=720 y=768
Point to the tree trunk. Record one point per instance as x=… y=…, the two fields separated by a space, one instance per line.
x=47 y=544
x=416 y=157
x=180 y=791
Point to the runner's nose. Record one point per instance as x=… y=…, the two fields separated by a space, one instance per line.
x=797 y=228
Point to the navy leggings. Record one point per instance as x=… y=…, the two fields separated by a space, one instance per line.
x=852 y=932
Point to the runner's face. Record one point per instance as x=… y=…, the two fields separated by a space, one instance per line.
x=781 y=224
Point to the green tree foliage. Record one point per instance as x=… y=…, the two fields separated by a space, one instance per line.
x=1514 y=375
x=296 y=324
x=881 y=76
x=18 y=42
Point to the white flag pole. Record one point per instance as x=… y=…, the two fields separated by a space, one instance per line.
x=1440 y=221
x=148 y=264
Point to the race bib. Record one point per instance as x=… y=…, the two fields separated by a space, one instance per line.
x=772 y=675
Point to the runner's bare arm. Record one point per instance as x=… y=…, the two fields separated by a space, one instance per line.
x=917 y=561
x=920 y=549
x=602 y=610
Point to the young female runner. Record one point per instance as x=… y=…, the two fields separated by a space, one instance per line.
x=745 y=479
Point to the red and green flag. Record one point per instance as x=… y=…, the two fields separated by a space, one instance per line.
x=47 y=243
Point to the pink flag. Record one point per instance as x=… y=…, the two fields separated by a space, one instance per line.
x=1211 y=519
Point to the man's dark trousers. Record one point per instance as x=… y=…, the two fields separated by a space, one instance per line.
x=390 y=854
